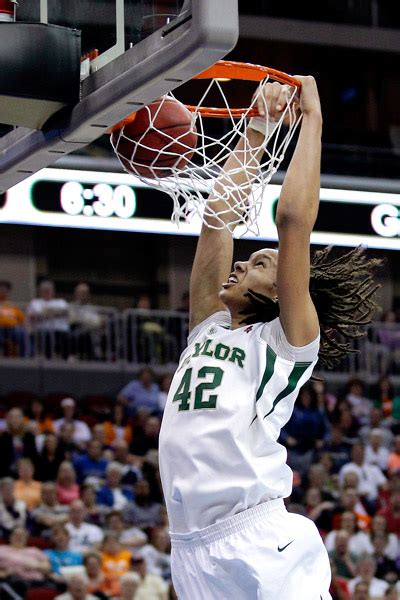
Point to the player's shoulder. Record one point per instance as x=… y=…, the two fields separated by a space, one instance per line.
x=222 y=318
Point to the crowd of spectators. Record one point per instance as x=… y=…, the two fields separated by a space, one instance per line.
x=82 y=512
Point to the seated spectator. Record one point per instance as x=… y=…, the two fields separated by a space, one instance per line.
x=392 y=513
x=370 y=477
x=37 y=415
x=385 y=567
x=60 y=556
x=99 y=435
x=361 y=591
x=83 y=536
x=131 y=472
x=355 y=394
x=318 y=478
x=151 y=586
x=359 y=542
x=118 y=427
x=143 y=512
x=48 y=319
x=115 y=559
x=148 y=440
x=375 y=452
x=21 y=565
x=50 y=458
x=91 y=463
x=97 y=583
x=317 y=509
x=350 y=501
x=394 y=457
x=376 y=422
x=157 y=554
x=306 y=430
x=13 y=512
x=26 y=488
x=337 y=447
x=347 y=423
x=129 y=584
x=382 y=393
x=366 y=568
x=12 y=320
x=94 y=511
x=86 y=324
x=379 y=526
x=342 y=558
x=49 y=512
x=81 y=434
x=76 y=590
x=66 y=486
x=67 y=443
x=15 y=442
x=140 y=393
x=113 y=494
x=131 y=537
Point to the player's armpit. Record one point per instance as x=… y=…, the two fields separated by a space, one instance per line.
x=211 y=267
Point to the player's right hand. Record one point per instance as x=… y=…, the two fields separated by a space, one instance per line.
x=309 y=97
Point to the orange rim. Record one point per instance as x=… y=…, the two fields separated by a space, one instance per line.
x=229 y=69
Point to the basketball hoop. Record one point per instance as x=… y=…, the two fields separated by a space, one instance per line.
x=191 y=186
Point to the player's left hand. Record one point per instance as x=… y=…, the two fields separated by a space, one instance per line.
x=273 y=99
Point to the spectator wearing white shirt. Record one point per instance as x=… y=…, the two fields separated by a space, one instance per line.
x=370 y=477
x=49 y=321
x=76 y=590
x=376 y=422
x=375 y=453
x=157 y=554
x=83 y=536
x=361 y=406
x=81 y=434
x=379 y=525
x=366 y=568
x=359 y=542
x=86 y=324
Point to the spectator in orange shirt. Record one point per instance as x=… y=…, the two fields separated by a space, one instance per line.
x=96 y=580
x=26 y=488
x=115 y=559
x=118 y=427
x=12 y=319
x=394 y=457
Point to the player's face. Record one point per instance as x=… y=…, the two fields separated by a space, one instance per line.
x=258 y=274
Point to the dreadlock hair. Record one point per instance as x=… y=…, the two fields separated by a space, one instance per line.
x=342 y=290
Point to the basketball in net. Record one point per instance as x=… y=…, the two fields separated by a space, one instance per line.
x=160 y=139
x=175 y=148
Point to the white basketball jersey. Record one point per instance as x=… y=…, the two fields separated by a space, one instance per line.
x=231 y=395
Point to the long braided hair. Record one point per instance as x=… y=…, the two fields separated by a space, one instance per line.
x=342 y=289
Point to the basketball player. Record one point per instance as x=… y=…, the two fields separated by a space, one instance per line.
x=223 y=472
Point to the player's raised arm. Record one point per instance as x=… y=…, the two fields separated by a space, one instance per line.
x=213 y=259
x=296 y=214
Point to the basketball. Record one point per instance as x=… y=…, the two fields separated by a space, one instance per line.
x=162 y=136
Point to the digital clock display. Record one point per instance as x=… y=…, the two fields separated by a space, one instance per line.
x=100 y=200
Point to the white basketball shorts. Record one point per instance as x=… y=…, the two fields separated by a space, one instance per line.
x=263 y=553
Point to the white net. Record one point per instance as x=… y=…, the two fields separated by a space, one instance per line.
x=195 y=178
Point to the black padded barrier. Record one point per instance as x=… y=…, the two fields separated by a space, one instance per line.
x=39 y=72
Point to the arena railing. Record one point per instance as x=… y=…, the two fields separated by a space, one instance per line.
x=158 y=337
